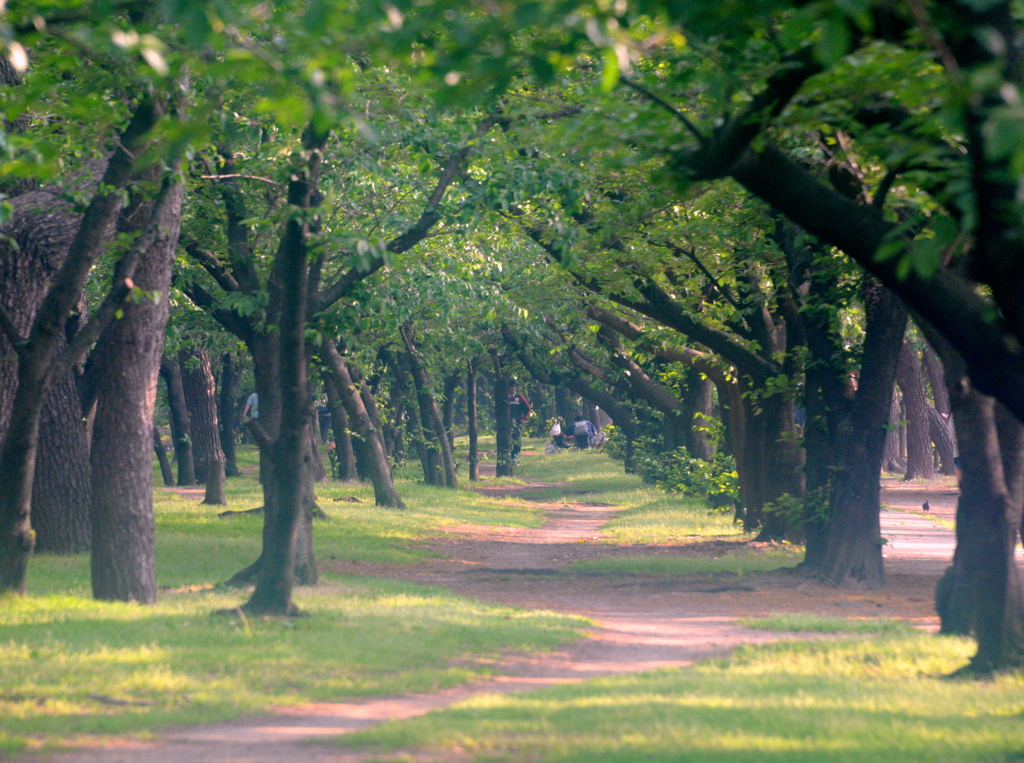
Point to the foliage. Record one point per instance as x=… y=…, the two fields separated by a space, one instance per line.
x=677 y=471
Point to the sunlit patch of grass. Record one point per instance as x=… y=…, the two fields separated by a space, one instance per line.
x=870 y=699
x=741 y=562
x=798 y=621
x=70 y=665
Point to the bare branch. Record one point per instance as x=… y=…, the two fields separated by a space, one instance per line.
x=234 y=175
x=668 y=107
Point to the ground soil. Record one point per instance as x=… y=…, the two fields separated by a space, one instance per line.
x=641 y=622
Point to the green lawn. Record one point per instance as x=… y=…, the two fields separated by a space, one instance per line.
x=71 y=666
x=858 y=699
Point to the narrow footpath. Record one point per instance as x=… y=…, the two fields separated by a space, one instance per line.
x=640 y=623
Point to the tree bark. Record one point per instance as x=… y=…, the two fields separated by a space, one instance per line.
x=230 y=379
x=200 y=390
x=429 y=412
x=285 y=557
x=127 y=363
x=936 y=378
x=919 y=442
x=938 y=431
x=181 y=422
x=416 y=428
x=982 y=591
x=471 y=421
x=384 y=490
x=502 y=422
x=344 y=455
x=893 y=460
x=852 y=555
x=161 y=457
x=451 y=389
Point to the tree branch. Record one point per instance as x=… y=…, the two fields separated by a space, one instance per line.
x=429 y=217
x=212 y=265
x=11 y=331
x=950 y=302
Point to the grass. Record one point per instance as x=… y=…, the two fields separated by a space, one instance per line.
x=649 y=515
x=65 y=660
x=805 y=622
x=70 y=666
x=866 y=699
x=741 y=562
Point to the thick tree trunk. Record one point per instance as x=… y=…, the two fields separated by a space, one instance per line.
x=502 y=423
x=698 y=401
x=37 y=365
x=181 y=422
x=471 y=421
x=127 y=363
x=384 y=490
x=919 y=443
x=200 y=390
x=344 y=455
x=60 y=481
x=853 y=546
x=982 y=592
x=316 y=463
x=285 y=556
x=61 y=488
x=161 y=457
x=230 y=379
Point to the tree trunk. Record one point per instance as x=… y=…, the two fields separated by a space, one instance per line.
x=161 y=456
x=61 y=488
x=698 y=400
x=982 y=591
x=936 y=378
x=230 y=379
x=938 y=431
x=502 y=423
x=471 y=421
x=853 y=545
x=892 y=461
x=451 y=389
x=126 y=363
x=384 y=490
x=428 y=408
x=316 y=463
x=344 y=455
x=428 y=458
x=564 y=405
x=284 y=556
x=200 y=390
x=181 y=422
x=919 y=444
x=37 y=366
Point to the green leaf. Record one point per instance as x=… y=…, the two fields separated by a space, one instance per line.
x=834 y=42
x=610 y=74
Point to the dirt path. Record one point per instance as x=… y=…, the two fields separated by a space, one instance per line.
x=641 y=623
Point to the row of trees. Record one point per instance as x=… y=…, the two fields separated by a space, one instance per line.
x=729 y=226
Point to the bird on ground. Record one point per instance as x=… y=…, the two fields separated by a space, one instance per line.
x=926 y=506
